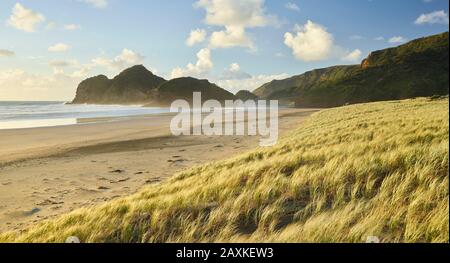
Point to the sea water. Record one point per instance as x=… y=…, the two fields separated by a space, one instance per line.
x=31 y=114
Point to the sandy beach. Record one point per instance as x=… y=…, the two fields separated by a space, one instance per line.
x=45 y=172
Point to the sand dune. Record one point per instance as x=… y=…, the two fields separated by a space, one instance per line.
x=45 y=172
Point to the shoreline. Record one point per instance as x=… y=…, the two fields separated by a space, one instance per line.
x=45 y=172
x=24 y=141
x=28 y=115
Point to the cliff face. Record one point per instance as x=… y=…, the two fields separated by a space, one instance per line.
x=132 y=86
x=418 y=68
x=92 y=90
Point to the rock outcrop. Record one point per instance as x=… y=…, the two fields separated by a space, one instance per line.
x=132 y=86
x=137 y=85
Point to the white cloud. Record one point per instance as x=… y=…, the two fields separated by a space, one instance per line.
x=234 y=72
x=436 y=17
x=397 y=40
x=199 y=70
x=235 y=16
x=354 y=56
x=60 y=47
x=249 y=13
x=292 y=6
x=6 y=53
x=125 y=59
x=235 y=79
x=234 y=67
x=311 y=42
x=28 y=86
x=79 y=70
x=251 y=83
x=72 y=27
x=96 y=3
x=231 y=37
x=196 y=36
x=25 y=19
x=380 y=38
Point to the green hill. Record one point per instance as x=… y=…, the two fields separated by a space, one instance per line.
x=418 y=68
x=378 y=169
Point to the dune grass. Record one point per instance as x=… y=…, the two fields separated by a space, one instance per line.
x=347 y=173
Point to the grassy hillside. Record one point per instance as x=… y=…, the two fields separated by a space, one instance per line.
x=418 y=68
x=371 y=169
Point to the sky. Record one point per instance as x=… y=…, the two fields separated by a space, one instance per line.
x=48 y=46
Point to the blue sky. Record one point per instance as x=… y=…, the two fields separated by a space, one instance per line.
x=48 y=46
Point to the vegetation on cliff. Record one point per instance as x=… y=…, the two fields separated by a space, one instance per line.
x=418 y=68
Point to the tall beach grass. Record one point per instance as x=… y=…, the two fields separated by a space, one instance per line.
x=378 y=169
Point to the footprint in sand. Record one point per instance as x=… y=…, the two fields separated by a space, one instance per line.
x=118 y=171
x=120 y=180
x=177 y=162
x=48 y=202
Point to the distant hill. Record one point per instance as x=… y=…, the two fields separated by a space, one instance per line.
x=137 y=85
x=183 y=88
x=132 y=86
x=418 y=68
x=246 y=95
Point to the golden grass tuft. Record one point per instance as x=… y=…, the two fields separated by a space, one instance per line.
x=348 y=173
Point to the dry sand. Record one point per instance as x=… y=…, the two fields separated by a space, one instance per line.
x=45 y=172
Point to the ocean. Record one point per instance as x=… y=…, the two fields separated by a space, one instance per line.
x=32 y=114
